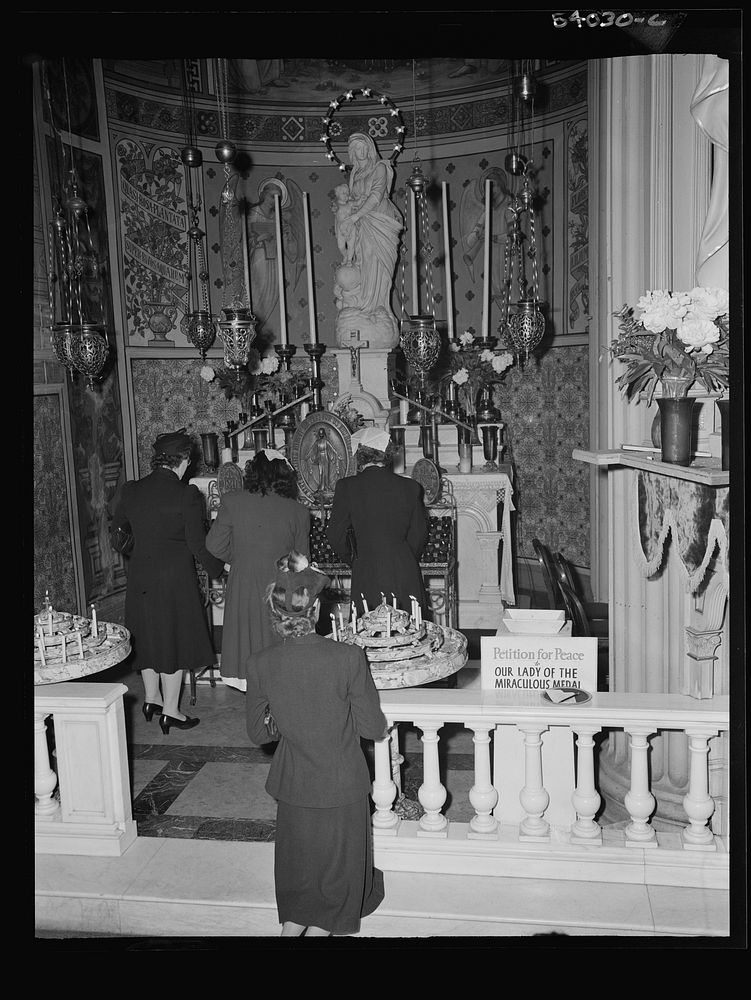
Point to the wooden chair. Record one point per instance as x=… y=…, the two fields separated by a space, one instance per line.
x=581 y=625
x=549 y=575
x=595 y=612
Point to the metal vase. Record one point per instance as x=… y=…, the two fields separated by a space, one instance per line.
x=676 y=428
x=723 y=405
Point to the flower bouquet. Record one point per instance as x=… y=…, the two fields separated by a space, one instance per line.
x=473 y=368
x=677 y=335
x=261 y=376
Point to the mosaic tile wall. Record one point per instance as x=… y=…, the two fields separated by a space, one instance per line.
x=53 y=546
x=546 y=412
x=170 y=393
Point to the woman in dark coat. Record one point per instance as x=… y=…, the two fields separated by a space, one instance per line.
x=385 y=514
x=322 y=697
x=253 y=528
x=164 y=611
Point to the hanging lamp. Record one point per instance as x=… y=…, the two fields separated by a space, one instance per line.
x=524 y=325
x=200 y=326
x=419 y=337
x=78 y=338
x=238 y=328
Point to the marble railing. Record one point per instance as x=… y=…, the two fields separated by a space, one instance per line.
x=519 y=825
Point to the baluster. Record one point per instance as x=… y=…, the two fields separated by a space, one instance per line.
x=482 y=795
x=639 y=801
x=698 y=803
x=45 y=778
x=586 y=799
x=533 y=797
x=431 y=793
x=384 y=792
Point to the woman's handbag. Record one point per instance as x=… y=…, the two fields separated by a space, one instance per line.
x=268 y=720
x=122 y=540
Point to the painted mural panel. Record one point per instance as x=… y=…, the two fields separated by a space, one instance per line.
x=154 y=247
x=53 y=545
x=577 y=225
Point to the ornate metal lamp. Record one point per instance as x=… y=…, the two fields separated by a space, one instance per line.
x=78 y=340
x=200 y=325
x=525 y=327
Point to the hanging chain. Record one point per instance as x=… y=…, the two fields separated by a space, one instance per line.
x=427 y=252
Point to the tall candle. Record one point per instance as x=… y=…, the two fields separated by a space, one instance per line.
x=413 y=608
x=393 y=600
x=246 y=261
x=403 y=411
x=93 y=621
x=341 y=619
x=364 y=603
x=333 y=627
x=304 y=411
x=354 y=619
x=309 y=264
x=447 y=263
x=415 y=271
x=280 y=270
x=49 y=622
x=388 y=624
x=486 y=266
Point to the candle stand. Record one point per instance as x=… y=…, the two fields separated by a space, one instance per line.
x=315 y=352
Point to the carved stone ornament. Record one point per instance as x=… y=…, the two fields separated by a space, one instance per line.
x=321 y=453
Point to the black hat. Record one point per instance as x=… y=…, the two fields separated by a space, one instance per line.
x=174 y=443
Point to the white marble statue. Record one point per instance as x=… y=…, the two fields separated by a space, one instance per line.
x=709 y=107
x=368 y=225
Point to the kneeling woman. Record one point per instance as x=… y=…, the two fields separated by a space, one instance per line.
x=322 y=696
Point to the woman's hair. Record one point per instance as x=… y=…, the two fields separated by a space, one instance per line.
x=275 y=476
x=305 y=612
x=372 y=456
x=162 y=460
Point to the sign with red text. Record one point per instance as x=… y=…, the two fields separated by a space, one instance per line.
x=515 y=664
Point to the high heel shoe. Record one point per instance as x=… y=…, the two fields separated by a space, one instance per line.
x=166 y=721
x=149 y=709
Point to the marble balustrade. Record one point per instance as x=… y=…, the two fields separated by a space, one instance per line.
x=492 y=844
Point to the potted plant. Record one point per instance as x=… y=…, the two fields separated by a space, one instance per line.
x=675 y=340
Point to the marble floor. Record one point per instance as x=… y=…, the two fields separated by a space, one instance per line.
x=203 y=861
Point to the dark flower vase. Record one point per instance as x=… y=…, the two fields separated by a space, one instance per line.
x=675 y=429
x=723 y=405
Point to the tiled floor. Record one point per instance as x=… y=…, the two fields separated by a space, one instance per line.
x=203 y=863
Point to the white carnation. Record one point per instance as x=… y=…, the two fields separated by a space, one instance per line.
x=460 y=377
x=207 y=373
x=502 y=361
x=467 y=338
x=487 y=355
x=269 y=364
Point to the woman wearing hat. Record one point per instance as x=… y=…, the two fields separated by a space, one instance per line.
x=163 y=607
x=253 y=528
x=386 y=515
x=322 y=697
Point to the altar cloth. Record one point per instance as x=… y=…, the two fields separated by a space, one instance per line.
x=697 y=517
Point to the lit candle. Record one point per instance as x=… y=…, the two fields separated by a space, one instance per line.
x=447 y=263
x=80 y=643
x=309 y=263
x=393 y=600
x=383 y=598
x=388 y=624
x=413 y=610
x=93 y=621
x=280 y=270
x=341 y=620
x=333 y=627
x=40 y=643
x=418 y=614
x=49 y=622
x=415 y=270
x=364 y=603
x=486 y=266
x=354 y=619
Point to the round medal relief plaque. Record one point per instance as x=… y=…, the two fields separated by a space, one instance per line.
x=426 y=472
x=321 y=452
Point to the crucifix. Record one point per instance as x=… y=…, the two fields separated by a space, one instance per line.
x=354 y=350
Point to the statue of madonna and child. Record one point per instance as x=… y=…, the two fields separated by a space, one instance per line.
x=368 y=226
